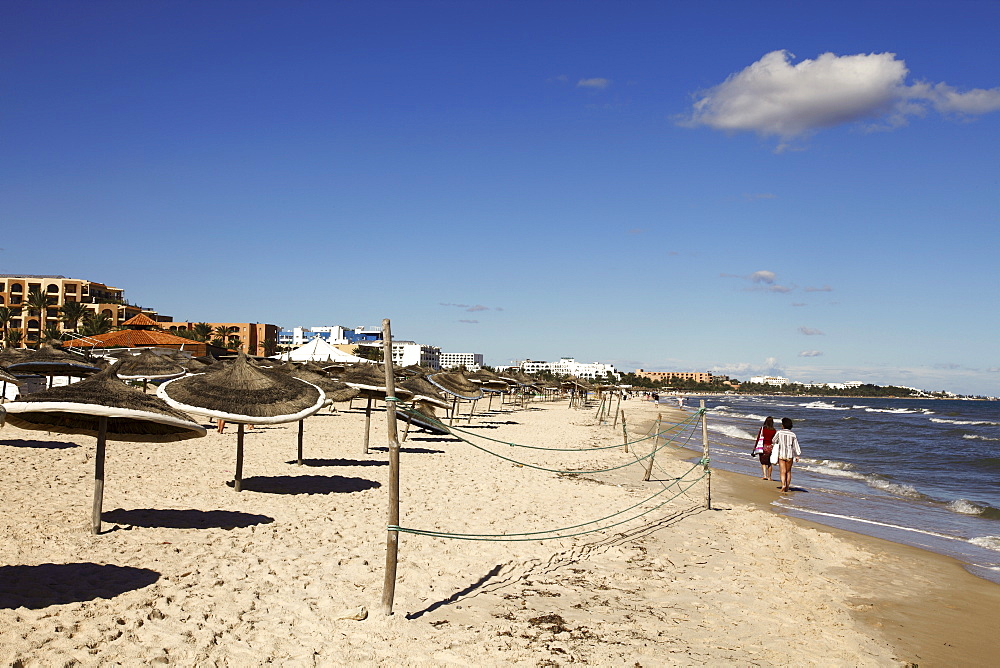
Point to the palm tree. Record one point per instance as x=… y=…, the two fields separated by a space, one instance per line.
x=202 y=331
x=52 y=333
x=13 y=338
x=95 y=323
x=5 y=317
x=234 y=343
x=37 y=301
x=270 y=347
x=72 y=313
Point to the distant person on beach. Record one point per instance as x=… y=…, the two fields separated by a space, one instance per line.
x=786 y=450
x=680 y=402
x=656 y=398
x=764 y=446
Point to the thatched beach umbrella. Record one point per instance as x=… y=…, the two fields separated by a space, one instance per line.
x=426 y=396
x=104 y=407
x=245 y=394
x=49 y=361
x=369 y=380
x=491 y=383
x=147 y=366
x=6 y=379
x=456 y=384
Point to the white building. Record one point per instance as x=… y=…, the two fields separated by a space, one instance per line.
x=408 y=353
x=568 y=366
x=471 y=361
x=768 y=380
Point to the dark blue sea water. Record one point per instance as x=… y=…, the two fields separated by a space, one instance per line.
x=920 y=472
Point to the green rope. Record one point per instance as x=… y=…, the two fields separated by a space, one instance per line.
x=454 y=429
x=534 y=536
x=543 y=468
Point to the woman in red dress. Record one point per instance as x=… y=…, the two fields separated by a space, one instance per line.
x=765 y=437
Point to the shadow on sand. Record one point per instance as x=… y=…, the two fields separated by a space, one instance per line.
x=40 y=586
x=49 y=445
x=185 y=519
x=339 y=462
x=306 y=484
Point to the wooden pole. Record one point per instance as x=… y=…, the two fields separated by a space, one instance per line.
x=454 y=407
x=472 y=411
x=368 y=422
x=652 y=455
x=102 y=437
x=704 y=457
x=600 y=412
x=616 y=416
x=392 y=537
x=302 y=427
x=238 y=479
x=624 y=432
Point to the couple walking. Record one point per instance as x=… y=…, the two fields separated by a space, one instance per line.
x=777 y=447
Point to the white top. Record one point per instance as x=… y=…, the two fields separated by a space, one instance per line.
x=786 y=444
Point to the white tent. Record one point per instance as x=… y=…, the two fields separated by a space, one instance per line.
x=318 y=350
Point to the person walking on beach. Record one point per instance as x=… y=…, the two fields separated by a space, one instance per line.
x=785 y=451
x=764 y=445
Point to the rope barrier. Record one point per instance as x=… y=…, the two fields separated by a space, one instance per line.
x=544 y=468
x=436 y=422
x=536 y=536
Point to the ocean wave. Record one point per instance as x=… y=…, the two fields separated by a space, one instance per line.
x=731 y=431
x=894 y=411
x=989 y=542
x=824 y=406
x=966 y=507
x=742 y=416
x=977 y=437
x=834 y=472
x=984 y=423
x=907 y=491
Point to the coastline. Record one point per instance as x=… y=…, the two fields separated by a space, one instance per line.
x=290 y=570
x=928 y=606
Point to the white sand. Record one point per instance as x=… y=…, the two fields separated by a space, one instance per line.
x=270 y=573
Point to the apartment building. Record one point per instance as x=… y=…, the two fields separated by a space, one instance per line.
x=696 y=376
x=568 y=366
x=471 y=361
x=255 y=338
x=96 y=297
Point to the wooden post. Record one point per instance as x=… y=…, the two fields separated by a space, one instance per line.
x=102 y=437
x=624 y=432
x=616 y=416
x=454 y=407
x=238 y=479
x=704 y=456
x=600 y=412
x=368 y=422
x=301 y=430
x=472 y=411
x=652 y=455
x=392 y=537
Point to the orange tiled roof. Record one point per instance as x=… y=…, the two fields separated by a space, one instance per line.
x=133 y=338
x=140 y=320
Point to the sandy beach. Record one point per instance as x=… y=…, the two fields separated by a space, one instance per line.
x=290 y=570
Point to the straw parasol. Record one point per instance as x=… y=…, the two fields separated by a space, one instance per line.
x=147 y=366
x=490 y=382
x=369 y=380
x=424 y=391
x=104 y=407
x=49 y=361
x=6 y=378
x=245 y=394
x=456 y=384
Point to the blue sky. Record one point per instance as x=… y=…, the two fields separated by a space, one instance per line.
x=768 y=187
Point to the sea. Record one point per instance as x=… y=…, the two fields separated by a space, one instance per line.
x=923 y=472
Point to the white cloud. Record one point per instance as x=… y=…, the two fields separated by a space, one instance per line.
x=808 y=331
x=762 y=277
x=596 y=82
x=774 y=97
x=810 y=353
x=825 y=288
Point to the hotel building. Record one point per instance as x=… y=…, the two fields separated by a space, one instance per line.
x=97 y=297
x=256 y=338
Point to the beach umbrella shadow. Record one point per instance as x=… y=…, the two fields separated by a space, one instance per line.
x=49 y=445
x=340 y=462
x=36 y=587
x=185 y=519
x=307 y=484
x=419 y=451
